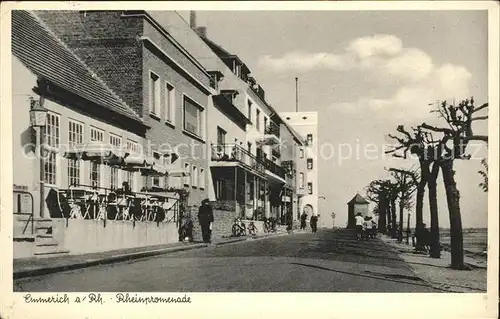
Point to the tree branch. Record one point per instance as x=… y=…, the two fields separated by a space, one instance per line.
x=479 y=118
x=437 y=129
x=485 y=105
x=483 y=138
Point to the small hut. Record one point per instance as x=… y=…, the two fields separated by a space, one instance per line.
x=356 y=205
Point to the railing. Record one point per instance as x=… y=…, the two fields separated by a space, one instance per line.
x=18 y=194
x=274 y=168
x=99 y=203
x=235 y=153
x=272 y=128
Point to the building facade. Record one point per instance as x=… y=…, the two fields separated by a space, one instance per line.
x=81 y=110
x=167 y=87
x=306 y=124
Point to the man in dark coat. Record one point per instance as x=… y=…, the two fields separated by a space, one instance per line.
x=205 y=218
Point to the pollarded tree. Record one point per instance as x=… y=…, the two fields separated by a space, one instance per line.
x=454 y=141
x=420 y=143
x=407 y=181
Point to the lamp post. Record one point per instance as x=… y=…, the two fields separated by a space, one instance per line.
x=408 y=230
x=38 y=119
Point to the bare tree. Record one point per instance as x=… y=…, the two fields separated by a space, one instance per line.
x=453 y=144
x=382 y=192
x=421 y=144
x=407 y=181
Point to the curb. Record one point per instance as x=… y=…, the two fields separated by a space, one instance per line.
x=104 y=261
x=127 y=257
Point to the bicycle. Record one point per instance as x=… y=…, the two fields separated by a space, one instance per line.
x=252 y=230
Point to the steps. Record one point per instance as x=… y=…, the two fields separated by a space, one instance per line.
x=39 y=244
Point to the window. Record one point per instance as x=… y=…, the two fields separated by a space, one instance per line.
x=116 y=141
x=301 y=180
x=309 y=163
x=187 y=178
x=156 y=179
x=154 y=94
x=309 y=139
x=202 y=178
x=195 y=177
x=51 y=136
x=221 y=136
x=249 y=145
x=257 y=120
x=95 y=174
x=265 y=123
x=250 y=110
x=96 y=135
x=193 y=117
x=132 y=146
x=51 y=144
x=301 y=153
x=130 y=176
x=310 y=187
x=75 y=137
x=169 y=103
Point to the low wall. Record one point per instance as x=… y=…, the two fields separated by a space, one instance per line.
x=90 y=236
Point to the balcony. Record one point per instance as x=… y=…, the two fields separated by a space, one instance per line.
x=233 y=153
x=273 y=168
x=271 y=135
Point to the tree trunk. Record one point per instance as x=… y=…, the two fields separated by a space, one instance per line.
x=435 y=251
x=453 y=200
x=382 y=212
x=401 y=215
x=419 y=215
x=394 y=230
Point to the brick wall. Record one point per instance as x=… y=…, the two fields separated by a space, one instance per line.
x=223 y=221
x=107 y=44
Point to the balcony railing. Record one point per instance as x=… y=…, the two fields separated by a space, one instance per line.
x=236 y=153
x=273 y=128
x=274 y=168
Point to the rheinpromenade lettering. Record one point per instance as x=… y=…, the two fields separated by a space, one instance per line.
x=97 y=298
x=127 y=298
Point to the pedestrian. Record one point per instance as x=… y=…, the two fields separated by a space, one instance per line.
x=359 y=225
x=374 y=227
x=314 y=223
x=303 y=220
x=186 y=229
x=206 y=219
x=367 y=227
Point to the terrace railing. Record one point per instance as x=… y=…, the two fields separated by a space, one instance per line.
x=273 y=128
x=274 y=168
x=236 y=153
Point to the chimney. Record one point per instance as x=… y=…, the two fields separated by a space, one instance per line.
x=192 y=19
x=201 y=31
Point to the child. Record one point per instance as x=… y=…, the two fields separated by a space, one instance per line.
x=367 y=227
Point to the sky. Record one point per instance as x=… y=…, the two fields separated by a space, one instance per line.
x=366 y=72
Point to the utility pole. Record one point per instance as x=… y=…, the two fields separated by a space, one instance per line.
x=296 y=94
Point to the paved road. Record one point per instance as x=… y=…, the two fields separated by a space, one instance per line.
x=328 y=261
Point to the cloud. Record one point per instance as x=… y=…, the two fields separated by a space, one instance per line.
x=411 y=101
x=366 y=47
x=305 y=61
x=383 y=60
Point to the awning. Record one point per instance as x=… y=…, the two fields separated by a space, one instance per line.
x=177 y=172
x=96 y=151
x=154 y=170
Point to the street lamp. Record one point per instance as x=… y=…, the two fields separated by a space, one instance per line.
x=38 y=119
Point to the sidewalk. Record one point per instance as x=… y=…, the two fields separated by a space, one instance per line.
x=28 y=267
x=438 y=273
